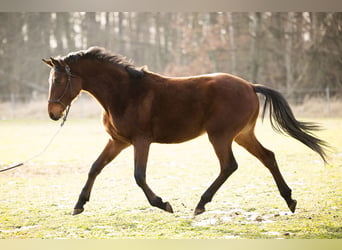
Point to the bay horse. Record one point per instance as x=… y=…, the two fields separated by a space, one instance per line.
x=141 y=107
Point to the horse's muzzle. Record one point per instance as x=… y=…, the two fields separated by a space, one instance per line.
x=53 y=117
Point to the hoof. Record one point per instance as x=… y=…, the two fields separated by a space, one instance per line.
x=168 y=207
x=292 y=206
x=199 y=211
x=77 y=211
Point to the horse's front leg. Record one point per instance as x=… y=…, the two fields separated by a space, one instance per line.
x=112 y=149
x=141 y=149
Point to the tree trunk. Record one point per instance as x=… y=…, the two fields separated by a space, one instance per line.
x=255 y=33
x=288 y=52
x=232 y=42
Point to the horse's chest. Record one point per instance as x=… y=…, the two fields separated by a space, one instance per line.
x=113 y=129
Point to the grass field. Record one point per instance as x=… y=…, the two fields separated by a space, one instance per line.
x=37 y=199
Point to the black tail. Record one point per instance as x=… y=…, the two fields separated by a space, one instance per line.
x=283 y=121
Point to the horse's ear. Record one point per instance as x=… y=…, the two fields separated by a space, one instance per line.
x=55 y=62
x=48 y=62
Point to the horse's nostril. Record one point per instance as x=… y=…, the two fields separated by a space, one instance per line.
x=53 y=117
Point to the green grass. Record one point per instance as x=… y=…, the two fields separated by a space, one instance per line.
x=37 y=199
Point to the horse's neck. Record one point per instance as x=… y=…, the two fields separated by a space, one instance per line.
x=104 y=88
x=95 y=93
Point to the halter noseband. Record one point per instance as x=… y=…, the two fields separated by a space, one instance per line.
x=68 y=85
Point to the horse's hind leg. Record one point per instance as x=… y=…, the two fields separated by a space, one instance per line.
x=112 y=149
x=252 y=145
x=228 y=165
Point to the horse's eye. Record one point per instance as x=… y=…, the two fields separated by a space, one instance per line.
x=57 y=81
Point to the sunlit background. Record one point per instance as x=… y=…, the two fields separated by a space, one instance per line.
x=298 y=53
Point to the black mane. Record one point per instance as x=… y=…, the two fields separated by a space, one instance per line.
x=100 y=54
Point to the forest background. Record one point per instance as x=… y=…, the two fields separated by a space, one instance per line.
x=298 y=53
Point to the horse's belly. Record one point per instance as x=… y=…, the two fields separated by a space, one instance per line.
x=176 y=134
